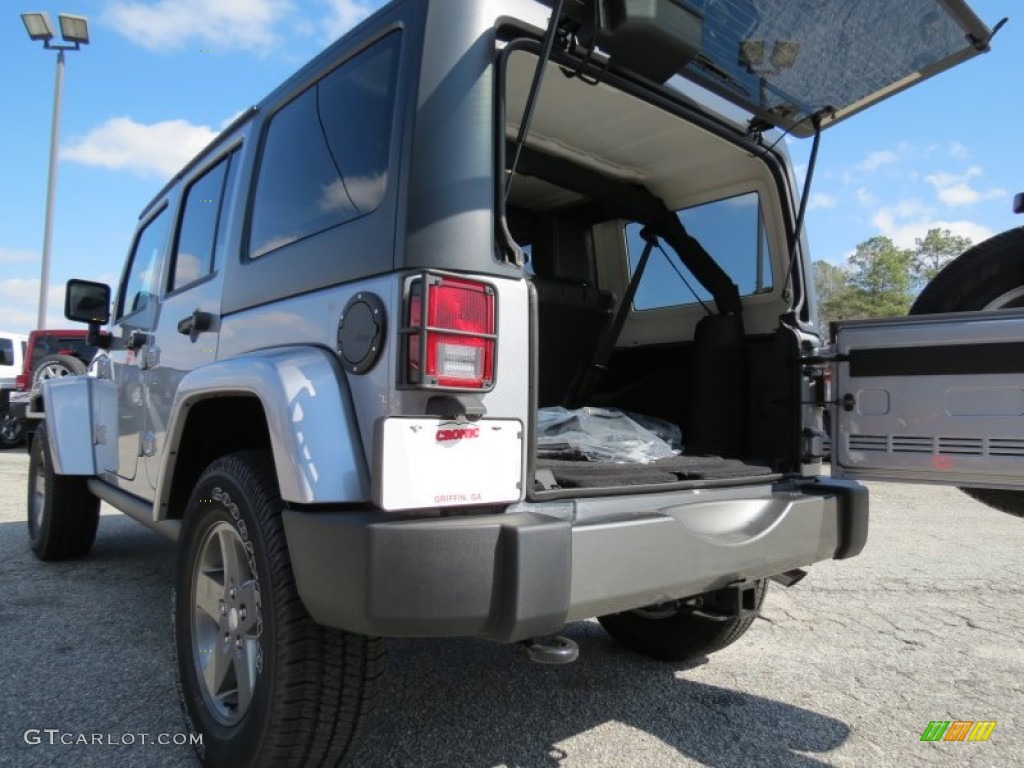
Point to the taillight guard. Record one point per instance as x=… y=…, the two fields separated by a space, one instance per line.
x=449 y=336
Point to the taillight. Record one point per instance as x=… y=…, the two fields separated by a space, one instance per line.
x=450 y=333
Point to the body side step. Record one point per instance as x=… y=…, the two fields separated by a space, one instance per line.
x=134 y=507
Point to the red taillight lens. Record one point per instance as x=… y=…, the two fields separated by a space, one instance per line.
x=456 y=335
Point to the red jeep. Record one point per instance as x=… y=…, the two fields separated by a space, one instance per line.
x=51 y=353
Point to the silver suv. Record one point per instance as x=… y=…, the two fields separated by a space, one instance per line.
x=497 y=316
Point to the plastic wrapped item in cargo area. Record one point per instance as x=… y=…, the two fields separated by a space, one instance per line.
x=605 y=435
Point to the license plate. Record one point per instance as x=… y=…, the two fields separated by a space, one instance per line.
x=441 y=463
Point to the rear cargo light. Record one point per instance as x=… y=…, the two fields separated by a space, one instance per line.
x=450 y=333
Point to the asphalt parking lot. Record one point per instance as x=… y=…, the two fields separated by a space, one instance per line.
x=847 y=668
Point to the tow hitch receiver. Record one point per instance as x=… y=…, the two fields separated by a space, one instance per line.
x=551 y=650
x=735 y=601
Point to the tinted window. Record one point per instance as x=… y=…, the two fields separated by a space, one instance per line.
x=196 y=236
x=51 y=345
x=731 y=230
x=141 y=286
x=6 y=352
x=325 y=157
x=227 y=201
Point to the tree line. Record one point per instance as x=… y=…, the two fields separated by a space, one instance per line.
x=881 y=280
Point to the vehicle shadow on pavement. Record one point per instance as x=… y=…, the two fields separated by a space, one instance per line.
x=474 y=703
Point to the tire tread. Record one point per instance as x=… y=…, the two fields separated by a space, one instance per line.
x=68 y=528
x=325 y=680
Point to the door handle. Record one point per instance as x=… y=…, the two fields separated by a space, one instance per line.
x=196 y=323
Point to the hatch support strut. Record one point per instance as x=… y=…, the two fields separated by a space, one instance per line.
x=531 y=99
x=798 y=225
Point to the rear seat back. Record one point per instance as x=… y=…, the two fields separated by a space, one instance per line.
x=571 y=317
x=572 y=313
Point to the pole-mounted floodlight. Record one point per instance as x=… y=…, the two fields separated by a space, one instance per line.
x=38 y=26
x=74 y=30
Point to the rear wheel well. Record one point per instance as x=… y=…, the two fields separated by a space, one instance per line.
x=214 y=428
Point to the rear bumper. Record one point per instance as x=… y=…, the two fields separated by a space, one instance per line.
x=527 y=572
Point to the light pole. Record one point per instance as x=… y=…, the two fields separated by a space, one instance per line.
x=75 y=30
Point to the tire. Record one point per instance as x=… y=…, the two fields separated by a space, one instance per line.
x=679 y=635
x=292 y=692
x=62 y=514
x=57 y=367
x=12 y=431
x=989 y=275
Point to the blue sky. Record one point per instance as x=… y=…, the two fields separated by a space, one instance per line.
x=161 y=77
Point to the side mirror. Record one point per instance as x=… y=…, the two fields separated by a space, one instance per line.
x=89 y=302
x=1018 y=202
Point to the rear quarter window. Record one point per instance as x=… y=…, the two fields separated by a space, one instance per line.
x=74 y=346
x=731 y=230
x=325 y=154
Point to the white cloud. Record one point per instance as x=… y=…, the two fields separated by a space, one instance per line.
x=877 y=159
x=345 y=14
x=355 y=194
x=887 y=219
x=17 y=288
x=953 y=189
x=821 y=200
x=864 y=196
x=909 y=219
x=158 y=148
x=958 y=194
x=16 y=256
x=217 y=26
x=19 y=305
x=943 y=179
x=958 y=150
x=904 y=235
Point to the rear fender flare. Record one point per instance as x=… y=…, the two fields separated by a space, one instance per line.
x=305 y=397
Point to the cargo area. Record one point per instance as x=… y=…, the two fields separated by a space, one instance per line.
x=598 y=166
x=733 y=395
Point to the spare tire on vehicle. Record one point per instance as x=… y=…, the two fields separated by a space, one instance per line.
x=987 y=276
x=57 y=367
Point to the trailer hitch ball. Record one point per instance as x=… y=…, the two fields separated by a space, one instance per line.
x=551 y=650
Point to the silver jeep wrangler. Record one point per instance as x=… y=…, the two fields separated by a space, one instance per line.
x=359 y=337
